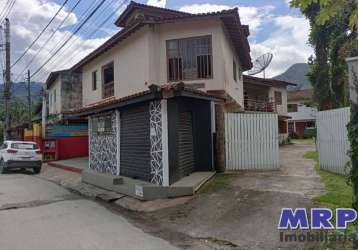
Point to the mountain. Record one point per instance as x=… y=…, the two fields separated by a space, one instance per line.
x=297 y=74
x=19 y=89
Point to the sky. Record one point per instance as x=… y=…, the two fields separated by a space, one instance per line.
x=274 y=28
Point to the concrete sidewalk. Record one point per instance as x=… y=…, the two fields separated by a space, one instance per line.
x=72 y=181
x=76 y=165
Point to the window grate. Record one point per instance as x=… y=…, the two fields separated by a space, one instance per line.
x=189 y=58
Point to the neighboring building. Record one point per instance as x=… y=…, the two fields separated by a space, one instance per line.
x=63 y=94
x=158 y=46
x=303 y=117
x=268 y=95
x=353 y=78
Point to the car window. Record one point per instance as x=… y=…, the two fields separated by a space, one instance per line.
x=24 y=146
x=3 y=146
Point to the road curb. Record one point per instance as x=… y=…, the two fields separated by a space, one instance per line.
x=64 y=167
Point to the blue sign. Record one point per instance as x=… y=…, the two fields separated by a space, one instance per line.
x=321 y=218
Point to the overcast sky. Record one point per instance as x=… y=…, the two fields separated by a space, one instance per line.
x=274 y=28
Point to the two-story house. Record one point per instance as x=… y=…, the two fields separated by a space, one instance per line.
x=268 y=95
x=188 y=61
x=63 y=93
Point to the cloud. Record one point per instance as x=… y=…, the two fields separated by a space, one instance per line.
x=288 y=43
x=157 y=3
x=287 y=39
x=28 y=18
x=248 y=15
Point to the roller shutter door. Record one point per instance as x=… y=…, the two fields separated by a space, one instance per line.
x=185 y=145
x=135 y=143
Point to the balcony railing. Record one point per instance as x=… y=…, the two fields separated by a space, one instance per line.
x=108 y=90
x=259 y=105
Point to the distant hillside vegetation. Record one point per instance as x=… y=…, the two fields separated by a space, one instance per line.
x=297 y=74
x=19 y=89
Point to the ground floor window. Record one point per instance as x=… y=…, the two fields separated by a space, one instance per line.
x=102 y=125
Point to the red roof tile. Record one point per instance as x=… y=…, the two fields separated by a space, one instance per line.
x=237 y=32
x=265 y=81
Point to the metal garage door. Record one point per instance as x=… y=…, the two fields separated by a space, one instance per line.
x=185 y=145
x=135 y=143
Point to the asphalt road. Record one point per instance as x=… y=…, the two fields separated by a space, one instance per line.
x=39 y=215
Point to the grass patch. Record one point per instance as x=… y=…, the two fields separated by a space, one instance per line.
x=309 y=141
x=219 y=182
x=313 y=155
x=338 y=192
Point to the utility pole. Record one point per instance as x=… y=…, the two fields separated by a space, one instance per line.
x=29 y=96
x=7 y=86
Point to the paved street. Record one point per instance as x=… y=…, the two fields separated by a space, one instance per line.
x=39 y=215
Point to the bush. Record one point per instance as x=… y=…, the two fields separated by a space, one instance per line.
x=310 y=133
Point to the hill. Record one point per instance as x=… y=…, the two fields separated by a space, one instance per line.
x=297 y=74
x=19 y=89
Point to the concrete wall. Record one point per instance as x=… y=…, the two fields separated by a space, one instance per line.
x=55 y=107
x=281 y=109
x=141 y=60
x=68 y=93
x=131 y=68
x=71 y=91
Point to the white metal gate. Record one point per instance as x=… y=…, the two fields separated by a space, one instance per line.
x=333 y=143
x=251 y=141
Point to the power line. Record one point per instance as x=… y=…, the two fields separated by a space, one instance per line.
x=85 y=21
x=6 y=6
x=39 y=35
x=48 y=39
x=83 y=16
x=73 y=55
x=9 y=10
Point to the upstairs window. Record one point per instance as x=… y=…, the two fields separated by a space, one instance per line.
x=278 y=98
x=94 y=80
x=234 y=70
x=292 y=107
x=108 y=80
x=189 y=58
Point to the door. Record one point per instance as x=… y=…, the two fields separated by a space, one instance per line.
x=185 y=164
x=135 y=143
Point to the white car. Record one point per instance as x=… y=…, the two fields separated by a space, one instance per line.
x=20 y=155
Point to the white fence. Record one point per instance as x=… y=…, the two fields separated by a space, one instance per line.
x=333 y=143
x=251 y=141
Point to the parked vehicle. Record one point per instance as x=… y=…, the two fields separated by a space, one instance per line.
x=20 y=155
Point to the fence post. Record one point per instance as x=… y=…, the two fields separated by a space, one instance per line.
x=220 y=162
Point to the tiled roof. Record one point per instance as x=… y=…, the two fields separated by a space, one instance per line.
x=299 y=95
x=154 y=92
x=237 y=32
x=266 y=81
x=52 y=77
x=134 y=5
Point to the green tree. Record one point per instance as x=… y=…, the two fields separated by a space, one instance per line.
x=334 y=25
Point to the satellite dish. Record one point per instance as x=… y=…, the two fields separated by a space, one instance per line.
x=260 y=64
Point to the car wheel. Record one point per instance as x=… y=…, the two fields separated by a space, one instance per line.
x=37 y=170
x=2 y=166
